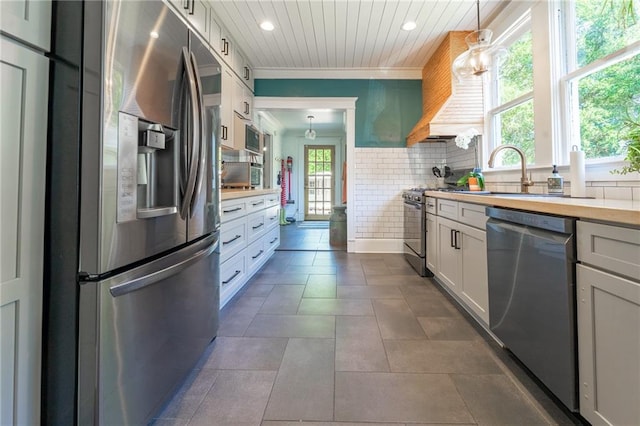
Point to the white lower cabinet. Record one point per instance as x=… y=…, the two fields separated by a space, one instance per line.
x=608 y=281
x=461 y=254
x=432 y=243
x=250 y=234
x=233 y=275
x=233 y=238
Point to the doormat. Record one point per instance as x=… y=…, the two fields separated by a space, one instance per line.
x=315 y=224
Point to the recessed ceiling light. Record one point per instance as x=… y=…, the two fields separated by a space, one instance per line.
x=267 y=26
x=409 y=25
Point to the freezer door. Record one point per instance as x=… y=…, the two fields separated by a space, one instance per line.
x=204 y=209
x=142 y=331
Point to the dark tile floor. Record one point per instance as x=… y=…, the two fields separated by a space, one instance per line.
x=312 y=235
x=343 y=338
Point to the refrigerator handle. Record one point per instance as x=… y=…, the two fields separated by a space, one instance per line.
x=194 y=154
x=201 y=162
x=143 y=277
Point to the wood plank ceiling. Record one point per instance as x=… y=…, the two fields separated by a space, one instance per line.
x=365 y=34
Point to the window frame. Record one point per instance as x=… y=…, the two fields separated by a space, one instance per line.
x=494 y=108
x=571 y=75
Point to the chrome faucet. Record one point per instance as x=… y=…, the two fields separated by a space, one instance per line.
x=524 y=182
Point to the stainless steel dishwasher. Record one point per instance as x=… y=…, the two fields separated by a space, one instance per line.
x=531 y=259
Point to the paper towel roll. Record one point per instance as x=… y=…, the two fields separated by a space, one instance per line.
x=576 y=168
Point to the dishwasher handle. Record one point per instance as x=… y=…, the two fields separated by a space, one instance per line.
x=565 y=225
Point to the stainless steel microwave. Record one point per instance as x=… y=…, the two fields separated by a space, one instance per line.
x=248 y=136
x=241 y=175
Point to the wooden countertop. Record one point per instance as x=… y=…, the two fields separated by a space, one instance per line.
x=231 y=194
x=618 y=211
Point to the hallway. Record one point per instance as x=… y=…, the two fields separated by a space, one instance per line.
x=358 y=338
x=306 y=236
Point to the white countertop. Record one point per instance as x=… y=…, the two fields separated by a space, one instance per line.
x=617 y=211
x=231 y=194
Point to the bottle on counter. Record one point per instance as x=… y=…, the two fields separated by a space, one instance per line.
x=555 y=182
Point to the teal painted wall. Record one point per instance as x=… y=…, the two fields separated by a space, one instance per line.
x=386 y=110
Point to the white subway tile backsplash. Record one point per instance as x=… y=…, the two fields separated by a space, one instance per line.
x=381 y=174
x=618 y=193
x=594 y=191
x=380 y=177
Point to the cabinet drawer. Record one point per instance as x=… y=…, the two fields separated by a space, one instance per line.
x=272 y=200
x=472 y=215
x=272 y=239
x=255 y=203
x=447 y=208
x=256 y=254
x=256 y=225
x=233 y=238
x=272 y=217
x=612 y=248
x=233 y=209
x=430 y=205
x=232 y=271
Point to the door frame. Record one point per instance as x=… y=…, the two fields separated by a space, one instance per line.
x=348 y=104
x=305 y=186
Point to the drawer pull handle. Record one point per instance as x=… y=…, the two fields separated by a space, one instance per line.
x=451 y=237
x=258 y=255
x=231 y=240
x=274 y=240
x=231 y=278
x=272 y=218
x=232 y=210
x=257 y=226
x=257 y=203
x=456 y=240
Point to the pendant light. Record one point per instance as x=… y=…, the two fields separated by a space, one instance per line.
x=481 y=56
x=310 y=134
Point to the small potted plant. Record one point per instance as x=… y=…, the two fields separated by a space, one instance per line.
x=474 y=179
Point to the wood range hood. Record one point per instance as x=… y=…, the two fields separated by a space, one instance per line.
x=448 y=106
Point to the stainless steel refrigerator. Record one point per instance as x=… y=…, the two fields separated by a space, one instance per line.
x=131 y=294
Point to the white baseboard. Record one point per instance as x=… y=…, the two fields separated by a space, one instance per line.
x=375 y=246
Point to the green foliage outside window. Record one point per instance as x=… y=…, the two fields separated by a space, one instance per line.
x=516 y=79
x=605 y=96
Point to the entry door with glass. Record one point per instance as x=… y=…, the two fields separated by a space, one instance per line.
x=319 y=172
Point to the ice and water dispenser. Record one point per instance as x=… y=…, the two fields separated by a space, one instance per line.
x=147 y=169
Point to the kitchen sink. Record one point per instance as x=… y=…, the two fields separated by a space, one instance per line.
x=525 y=194
x=505 y=194
x=513 y=194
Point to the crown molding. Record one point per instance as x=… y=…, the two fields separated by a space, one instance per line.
x=339 y=73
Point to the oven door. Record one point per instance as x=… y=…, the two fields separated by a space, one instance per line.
x=414 y=227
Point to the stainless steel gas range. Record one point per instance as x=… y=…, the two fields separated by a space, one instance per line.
x=415 y=230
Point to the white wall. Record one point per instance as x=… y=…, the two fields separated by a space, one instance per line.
x=293 y=145
x=267 y=126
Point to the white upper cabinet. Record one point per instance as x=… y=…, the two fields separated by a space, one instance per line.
x=197 y=13
x=27 y=20
x=243 y=69
x=226 y=108
x=242 y=99
x=225 y=47
x=215 y=33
